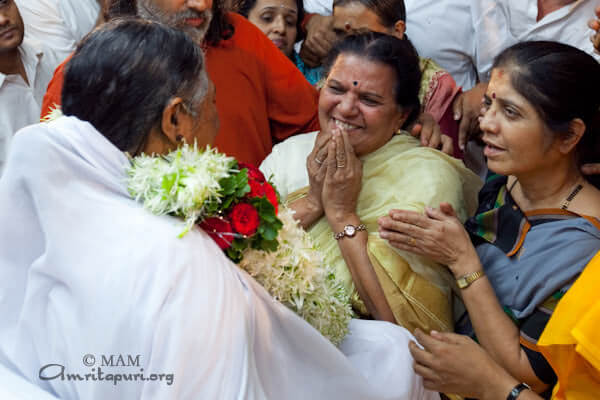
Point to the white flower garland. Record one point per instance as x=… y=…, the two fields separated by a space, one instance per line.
x=179 y=183
x=295 y=275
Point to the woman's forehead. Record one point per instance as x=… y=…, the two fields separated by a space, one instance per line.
x=359 y=71
x=282 y=5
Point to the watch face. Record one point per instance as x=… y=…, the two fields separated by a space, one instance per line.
x=349 y=230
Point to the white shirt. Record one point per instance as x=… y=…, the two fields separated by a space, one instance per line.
x=21 y=103
x=59 y=24
x=464 y=36
x=500 y=24
x=323 y=7
x=443 y=31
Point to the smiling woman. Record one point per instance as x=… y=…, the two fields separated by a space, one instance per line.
x=341 y=180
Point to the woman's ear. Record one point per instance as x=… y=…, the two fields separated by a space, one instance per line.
x=170 y=124
x=401 y=118
x=574 y=135
x=399 y=29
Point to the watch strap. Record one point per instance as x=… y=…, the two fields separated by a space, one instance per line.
x=342 y=234
x=516 y=391
x=465 y=281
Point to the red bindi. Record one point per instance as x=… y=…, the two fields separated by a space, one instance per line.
x=494 y=95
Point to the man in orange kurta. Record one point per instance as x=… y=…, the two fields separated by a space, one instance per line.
x=262 y=97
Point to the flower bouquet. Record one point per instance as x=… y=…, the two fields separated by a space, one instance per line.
x=236 y=205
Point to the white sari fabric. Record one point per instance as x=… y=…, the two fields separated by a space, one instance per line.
x=86 y=273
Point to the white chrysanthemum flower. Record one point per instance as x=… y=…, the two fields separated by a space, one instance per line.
x=180 y=183
x=55 y=113
x=296 y=276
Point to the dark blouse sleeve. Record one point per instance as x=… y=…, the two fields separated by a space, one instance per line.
x=531 y=329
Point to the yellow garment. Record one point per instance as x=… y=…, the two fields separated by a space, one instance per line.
x=429 y=72
x=571 y=339
x=403 y=175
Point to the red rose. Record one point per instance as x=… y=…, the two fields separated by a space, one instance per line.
x=219 y=230
x=244 y=219
x=253 y=172
x=256 y=189
x=271 y=195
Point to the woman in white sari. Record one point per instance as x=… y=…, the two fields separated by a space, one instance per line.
x=101 y=300
x=341 y=181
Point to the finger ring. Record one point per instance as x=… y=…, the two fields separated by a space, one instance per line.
x=341 y=165
x=318 y=161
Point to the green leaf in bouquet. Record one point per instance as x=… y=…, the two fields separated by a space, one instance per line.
x=269 y=245
x=228 y=185
x=241 y=191
x=239 y=244
x=269 y=233
x=234 y=255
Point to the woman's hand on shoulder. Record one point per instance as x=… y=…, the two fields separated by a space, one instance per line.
x=343 y=179
x=438 y=234
x=428 y=131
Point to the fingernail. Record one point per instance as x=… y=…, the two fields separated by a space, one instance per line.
x=461 y=147
x=456 y=116
x=428 y=209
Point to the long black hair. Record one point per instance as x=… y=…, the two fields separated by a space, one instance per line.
x=124 y=73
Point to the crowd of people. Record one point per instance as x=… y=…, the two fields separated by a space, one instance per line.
x=443 y=156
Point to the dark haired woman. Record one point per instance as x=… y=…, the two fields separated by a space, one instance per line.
x=537 y=223
x=437 y=89
x=87 y=273
x=280 y=20
x=358 y=167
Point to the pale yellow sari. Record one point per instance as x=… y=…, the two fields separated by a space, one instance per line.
x=400 y=175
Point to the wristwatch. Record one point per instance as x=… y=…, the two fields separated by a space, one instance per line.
x=349 y=231
x=516 y=391
x=464 y=281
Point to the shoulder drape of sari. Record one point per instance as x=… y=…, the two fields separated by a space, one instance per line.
x=400 y=175
x=514 y=245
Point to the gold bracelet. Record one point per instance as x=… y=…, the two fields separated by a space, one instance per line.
x=465 y=281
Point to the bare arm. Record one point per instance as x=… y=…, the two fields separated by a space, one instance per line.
x=341 y=187
x=439 y=235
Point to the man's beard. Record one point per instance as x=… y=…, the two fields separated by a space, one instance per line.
x=148 y=10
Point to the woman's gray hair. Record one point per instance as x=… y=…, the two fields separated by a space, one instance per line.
x=124 y=74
